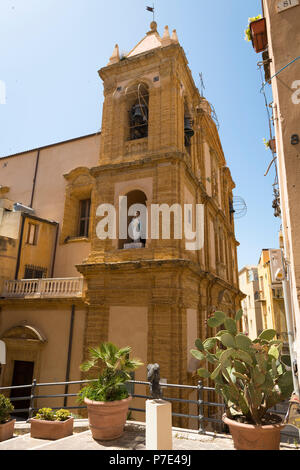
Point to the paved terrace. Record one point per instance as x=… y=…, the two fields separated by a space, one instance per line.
x=133 y=439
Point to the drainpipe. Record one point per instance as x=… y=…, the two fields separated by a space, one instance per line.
x=20 y=246
x=34 y=178
x=69 y=353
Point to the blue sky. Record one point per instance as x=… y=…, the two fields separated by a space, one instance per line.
x=51 y=50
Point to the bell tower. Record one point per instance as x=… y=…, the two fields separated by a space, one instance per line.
x=160 y=149
x=147 y=100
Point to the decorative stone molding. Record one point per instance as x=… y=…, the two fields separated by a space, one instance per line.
x=80 y=186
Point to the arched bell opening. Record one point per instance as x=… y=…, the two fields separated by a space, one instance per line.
x=138 y=111
x=136 y=218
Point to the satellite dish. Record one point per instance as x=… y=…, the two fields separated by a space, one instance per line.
x=2 y=352
x=239 y=207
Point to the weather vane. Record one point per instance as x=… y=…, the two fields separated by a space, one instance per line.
x=152 y=9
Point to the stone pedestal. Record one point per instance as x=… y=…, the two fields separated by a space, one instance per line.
x=158 y=425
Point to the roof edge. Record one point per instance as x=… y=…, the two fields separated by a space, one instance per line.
x=51 y=145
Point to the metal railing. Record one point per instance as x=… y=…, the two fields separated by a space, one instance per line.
x=259 y=296
x=199 y=389
x=43 y=288
x=201 y=403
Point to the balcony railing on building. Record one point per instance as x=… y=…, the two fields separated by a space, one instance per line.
x=43 y=288
x=259 y=296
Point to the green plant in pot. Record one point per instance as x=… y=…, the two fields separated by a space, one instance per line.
x=247 y=30
x=52 y=425
x=252 y=377
x=107 y=398
x=6 y=423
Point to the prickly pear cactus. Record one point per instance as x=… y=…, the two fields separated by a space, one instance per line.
x=252 y=376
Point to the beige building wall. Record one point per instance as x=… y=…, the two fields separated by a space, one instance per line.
x=50 y=352
x=271 y=298
x=51 y=164
x=284 y=47
x=128 y=326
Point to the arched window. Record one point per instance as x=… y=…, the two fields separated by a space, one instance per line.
x=138 y=111
x=136 y=217
x=188 y=127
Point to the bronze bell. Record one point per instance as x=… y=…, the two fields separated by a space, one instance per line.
x=139 y=113
x=188 y=129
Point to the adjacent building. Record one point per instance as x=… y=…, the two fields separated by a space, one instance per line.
x=66 y=287
x=270 y=296
x=249 y=285
x=264 y=303
x=280 y=42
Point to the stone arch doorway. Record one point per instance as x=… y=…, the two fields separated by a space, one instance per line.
x=24 y=345
x=137 y=201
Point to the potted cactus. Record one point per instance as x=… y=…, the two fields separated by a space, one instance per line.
x=251 y=376
x=51 y=425
x=6 y=423
x=107 y=398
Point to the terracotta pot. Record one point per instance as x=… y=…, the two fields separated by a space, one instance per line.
x=51 y=430
x=7 y=430
x=107 y=419
x=259 y=35
x=272 y=144
x=251 y=437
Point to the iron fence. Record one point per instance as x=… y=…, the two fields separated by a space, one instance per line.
x=202 y=419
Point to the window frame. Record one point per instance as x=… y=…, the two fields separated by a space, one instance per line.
x=84 y=217
x=32 y=239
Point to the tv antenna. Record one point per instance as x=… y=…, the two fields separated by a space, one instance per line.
x=238 y=207
x=202 y=86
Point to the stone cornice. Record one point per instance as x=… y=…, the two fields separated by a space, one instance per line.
x=94 y=269
x=163 y=157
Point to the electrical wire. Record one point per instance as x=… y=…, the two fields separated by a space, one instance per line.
x=281 y=70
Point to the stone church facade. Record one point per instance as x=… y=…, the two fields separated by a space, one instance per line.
x=64 y=289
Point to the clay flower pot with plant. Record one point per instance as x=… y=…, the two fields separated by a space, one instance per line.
x=6 y=423
x=251 y=376
x=51 y=425
x=107 y=398
x=270 y=145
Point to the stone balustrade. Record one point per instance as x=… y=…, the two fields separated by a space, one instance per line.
x=43 y=288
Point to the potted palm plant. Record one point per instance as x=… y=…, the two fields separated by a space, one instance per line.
x=48 y=424
x=107 y=398
x=251 y=376
x=6 y=423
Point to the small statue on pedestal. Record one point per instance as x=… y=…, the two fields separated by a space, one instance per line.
x=154 y=378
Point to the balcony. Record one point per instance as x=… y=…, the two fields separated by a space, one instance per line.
x=43 y=288
x=277 y=294
x=259 y=296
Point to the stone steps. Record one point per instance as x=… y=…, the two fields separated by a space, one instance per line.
x=132 y=439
